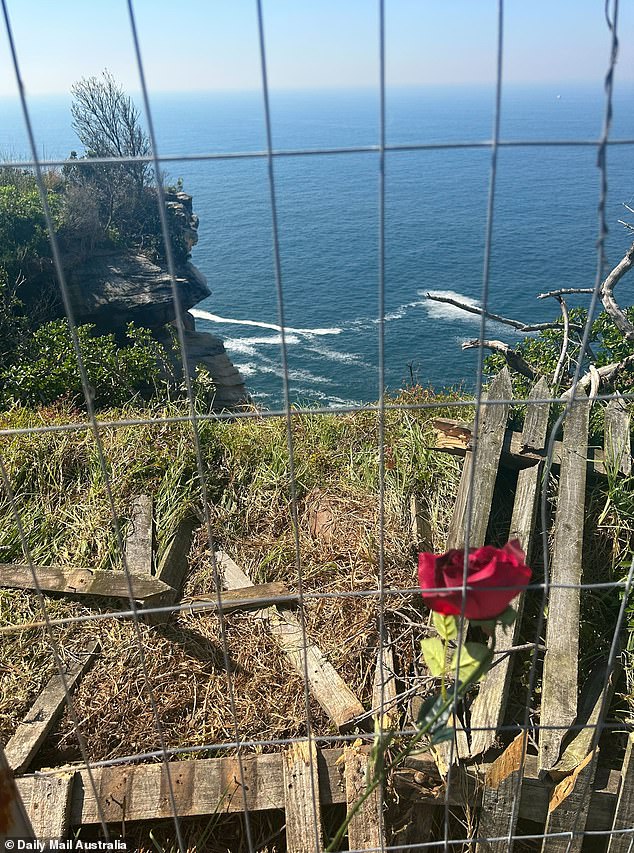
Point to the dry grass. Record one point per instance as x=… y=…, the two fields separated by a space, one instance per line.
x=59 y=490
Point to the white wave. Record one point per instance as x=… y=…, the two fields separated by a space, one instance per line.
x=214 y=318
x=443 y=311
x=335 y=355
x=249 y=368
x=294 y=375
x=247 y=345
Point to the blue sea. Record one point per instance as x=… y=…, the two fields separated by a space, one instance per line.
x=544 y=235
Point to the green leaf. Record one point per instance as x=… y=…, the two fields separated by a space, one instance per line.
x=434 y=653
x=507 y=618
x=441 y=734
x=433 y=714
x=487 y=625
x=446 y=626
x=475 y=660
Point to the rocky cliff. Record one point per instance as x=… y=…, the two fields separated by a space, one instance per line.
x=111 y=287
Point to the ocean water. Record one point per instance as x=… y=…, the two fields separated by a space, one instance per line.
x=545 y=223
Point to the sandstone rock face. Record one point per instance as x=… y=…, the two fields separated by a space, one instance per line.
x=208 y=351
x=110 y=290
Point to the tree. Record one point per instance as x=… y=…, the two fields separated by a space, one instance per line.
x=108 y=125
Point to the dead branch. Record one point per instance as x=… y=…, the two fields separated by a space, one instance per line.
x=565 y=341
x=565 y=290
x=607 y=372
x=607 y=295
x=516 y=324
x=595 y=381
x=513 y=358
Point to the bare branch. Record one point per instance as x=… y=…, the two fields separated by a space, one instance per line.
x=516 y=324
x=513 y=358
x=564 y=291
x=564 y=344
x=607 y=372
x=607 y=295
x=595 y=381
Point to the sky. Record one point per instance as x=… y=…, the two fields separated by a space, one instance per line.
x=213 y=44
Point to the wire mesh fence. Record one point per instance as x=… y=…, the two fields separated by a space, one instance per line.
x=389 y=754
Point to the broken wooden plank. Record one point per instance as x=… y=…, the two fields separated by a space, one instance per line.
x=618 y=452
x=420 y=526
x=172 y=566
x=244 y=598
x=561 y=662
x=14 y=820
x=502 y=785
x=139 y=540
x=301 y=798
x=514 y=454
x=594 y=695
x=384 y=690
x=621 y=842
x=324 y=682
x=48 y=805
x=365 y=830
x=492 y=426
x=487 y=711
x=569 y=807
x=76 y=581
x=211 y=785
x=43 y=713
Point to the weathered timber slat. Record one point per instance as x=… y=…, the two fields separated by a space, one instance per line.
x=569 y=807
x=75 y=581
x=41 y=716
x=245 y=598
x=384 y=688
x=489 y=447
x=560 y=678
x=491 y=430
x=14 y=820
x=301 y=798
x=208 y=786
x=172 y=566
x=48 y=805
x=502 y=785
x=618 y=452
x=365 y=831
x=487 y=711
x=139 y=538
x=624 y=814
x=590 y=704
x=514 y=454
x=324 y=682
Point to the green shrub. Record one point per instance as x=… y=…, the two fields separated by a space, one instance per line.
x=47 y=370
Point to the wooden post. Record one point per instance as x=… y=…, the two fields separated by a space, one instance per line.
x=560 y=679
x=301 y=798
x=487 y=711
x=324 y=682
x=139 y=541
x=365 y=831
x=568 y=808
x=503 y=784
x=14 y=821
x=31 y=732
x=624 y=814
x=489 y=447
x=492 y=427
x=618 y=453
x=48 y=805
x=386 y=691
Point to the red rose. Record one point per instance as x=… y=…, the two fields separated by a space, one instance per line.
x=488 y=568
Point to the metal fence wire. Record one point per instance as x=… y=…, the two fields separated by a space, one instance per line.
x=593 y=815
